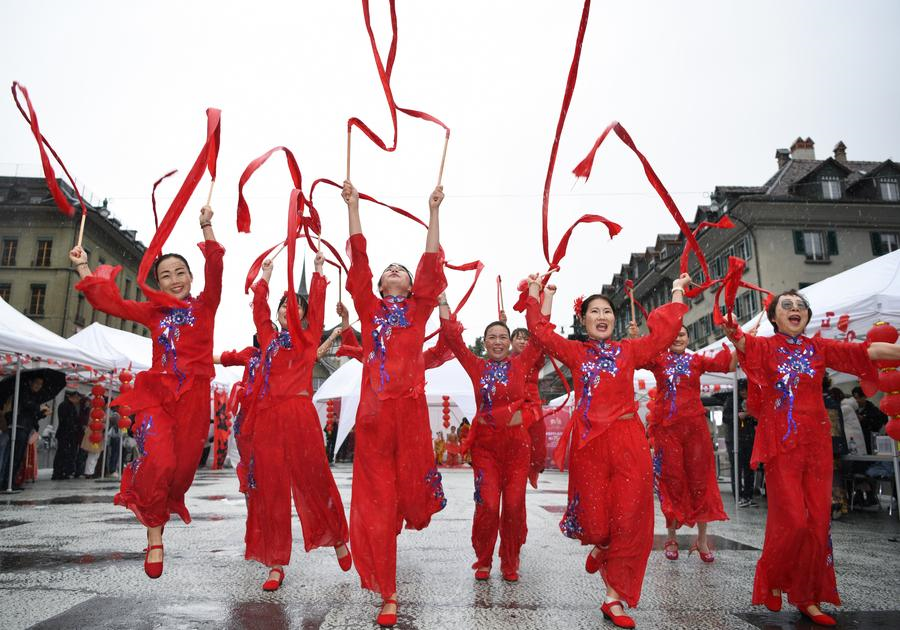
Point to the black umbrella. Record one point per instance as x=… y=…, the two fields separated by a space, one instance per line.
x=54 y=382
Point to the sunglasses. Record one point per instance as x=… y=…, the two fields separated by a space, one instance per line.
x=789 y=305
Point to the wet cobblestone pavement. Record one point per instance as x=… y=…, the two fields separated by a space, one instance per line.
x=70 y=559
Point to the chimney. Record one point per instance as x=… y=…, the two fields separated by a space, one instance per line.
x=783 y=156
x=840 y=152
x=803 y=149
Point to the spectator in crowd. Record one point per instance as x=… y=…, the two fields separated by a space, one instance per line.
x=29 y=417
x=746 y=435
x=871 y=417
x=68 y=435
x=439 y=447
x=839 y=502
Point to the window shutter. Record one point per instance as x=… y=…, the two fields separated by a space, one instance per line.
x=876 y=243
x=799 y=247
x=832 y=243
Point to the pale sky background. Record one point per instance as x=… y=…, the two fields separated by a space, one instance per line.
x=707 y=89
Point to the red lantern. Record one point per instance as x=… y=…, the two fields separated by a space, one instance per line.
x=446 y=411
x=125 y=376
x=97 y=403
x=124 y=423
x=95 y=425
x=98 y=390
x=882 y=331
x=893 y=428
x=125 y=410
x=124 y=388
x=888 y=379
x=95 y=438
x=97 y=414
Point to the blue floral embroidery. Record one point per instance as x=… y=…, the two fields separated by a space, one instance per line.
x=677 y=365
x=140 y=436
x=433 y=479
x=794 y=364
x=393 y=314
x=479 y=479
x=829 y=558
x=170 y=333
x=279 y=341
x=601 y=359
x=657 y=473
x=251 y=474
x=569 y=524
x=494 y=372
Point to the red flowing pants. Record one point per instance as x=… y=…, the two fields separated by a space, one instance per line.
x=394 y=480
x=500 y=461
x=684 y=467
x=611 y=504
x=170 y=441
x=537 y=431
x=288 y=459
x=797 y=556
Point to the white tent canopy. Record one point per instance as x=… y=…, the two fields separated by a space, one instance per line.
x=450 y=379
x=21 y=335
x=135 y=350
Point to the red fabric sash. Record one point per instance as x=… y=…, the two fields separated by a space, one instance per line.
x=214 y=118
x=729 y=285
x=55 y=191
x=153 y=195
x=384 y=74
x=723 y=223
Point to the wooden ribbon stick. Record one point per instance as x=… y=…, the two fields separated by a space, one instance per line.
x=212 y=184
x=443 y=158
x=348 y=153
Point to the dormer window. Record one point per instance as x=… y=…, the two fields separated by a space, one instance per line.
x=889 y=189
x=831 y=187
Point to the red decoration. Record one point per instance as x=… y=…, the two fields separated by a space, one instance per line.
x=97 y=413
x=98 y=390
x=125 y=410
x=95 y=438
x=125 y=376
x=95 y=425
x=124 y=388
x=445 y=404
x=98 y=403
x=888 y=378
x=124 y=423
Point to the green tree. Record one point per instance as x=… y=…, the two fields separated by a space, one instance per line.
x=478 y=348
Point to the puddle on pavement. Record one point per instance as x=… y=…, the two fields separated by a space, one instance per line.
x=70 y=500
x=41 y=560
x=718 y=543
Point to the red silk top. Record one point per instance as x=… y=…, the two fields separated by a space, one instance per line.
x=785 y=394
x=603 y=371
x=393 y=328
x=241 y=393
x=436 y=356
x=532 y=385
x=678 y=383
x=182 y=337
x=287 y=357
x=500 y=386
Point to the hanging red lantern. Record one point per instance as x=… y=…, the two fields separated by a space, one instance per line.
x=95 y=425
x=98 y=390
x=125 y=410
x=888 y=378
x=124 y=388
x=125 y=376
x=445 y=404
x=124 y=423
x=95 y=437
x=329 y=416
x=97 y=413
x=98 y=402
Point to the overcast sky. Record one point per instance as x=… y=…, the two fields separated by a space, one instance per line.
x=708 y=90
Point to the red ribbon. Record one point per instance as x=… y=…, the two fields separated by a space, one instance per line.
x=723 y=223
x=153 y=195
x=729 y=284
x=214 y=118
x=55 y=191
x=384 y=74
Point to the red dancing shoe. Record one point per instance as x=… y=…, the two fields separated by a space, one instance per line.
x=707 y=556
x=345 y=561
x=387 y=620
x=274 y=585
x=773 y=602
x=482 y=574
x=821 y=619
x=152 y=569
x=671 y=549
x=512 y=576
x=622 y=621
x=592 y=563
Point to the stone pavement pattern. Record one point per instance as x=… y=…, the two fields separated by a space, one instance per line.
x=70 y=559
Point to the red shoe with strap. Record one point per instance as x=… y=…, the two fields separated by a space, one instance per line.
x=821 y=619
x=482 y=574
x=671 y=549
x=773 y=602
x=387 y=620
x=512 y=576
x=621 y=621
x=152 y=569
x=274 y=585
x=345 y=561
x=592 y=562
x=706 y=556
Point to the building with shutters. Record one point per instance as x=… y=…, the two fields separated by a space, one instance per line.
x=812 y=219
x=36 y=276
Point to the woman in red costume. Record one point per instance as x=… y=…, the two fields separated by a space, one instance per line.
x=684 y=465
x=171 y=399
x=793 y=440
x=500 y=444
x=394 y=477
x=533 y=407
x=287 y=456
x=610 y=473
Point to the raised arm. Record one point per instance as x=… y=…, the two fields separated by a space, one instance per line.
x=262 y=315
x=206 y=215
x=451 y=336
x=212 y=254
x=549 y=294
x=315 y=314
x=351 y=198
x=881 y=351
x=433 y=240
x=101 y=291
x=443 y=306
x=542 y=331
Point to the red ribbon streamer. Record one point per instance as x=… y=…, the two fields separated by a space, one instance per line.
x=153 y=195
x=214 y=118
x=723 y=223
x=729 y=285
x=49 y=174
x=384 y=74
